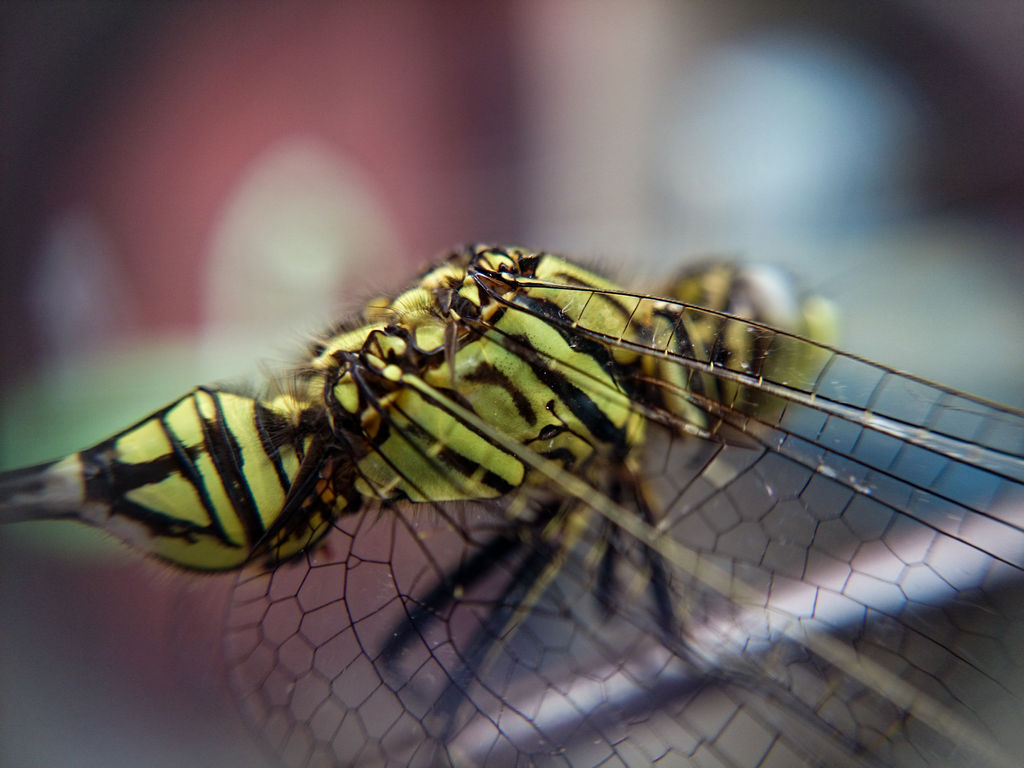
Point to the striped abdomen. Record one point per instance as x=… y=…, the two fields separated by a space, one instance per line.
x=201 y=483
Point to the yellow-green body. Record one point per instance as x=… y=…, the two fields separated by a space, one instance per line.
x=217 y=478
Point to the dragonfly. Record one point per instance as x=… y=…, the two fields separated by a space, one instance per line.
x=519 y=515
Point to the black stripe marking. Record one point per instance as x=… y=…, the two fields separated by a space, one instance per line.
x=485 y=373
x=464 y=465
x=223 y=449
x=108 y=481
x=414 y=434
x=295 y=522
x=695 y=382
x=528 y=264
x=185 y=461
x=267 y=423
x=578 y=402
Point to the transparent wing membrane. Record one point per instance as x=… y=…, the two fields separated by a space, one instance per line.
x=811 y=559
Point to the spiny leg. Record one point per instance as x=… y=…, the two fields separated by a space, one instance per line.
x=421 y=612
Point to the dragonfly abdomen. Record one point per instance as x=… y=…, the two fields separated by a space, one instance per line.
x=198 y=483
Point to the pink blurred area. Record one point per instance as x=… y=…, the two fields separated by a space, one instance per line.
x=164 y=109
x=161 y=152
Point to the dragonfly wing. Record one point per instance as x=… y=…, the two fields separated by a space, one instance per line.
x=316 y=664
x=871 y=521
x=816 y=561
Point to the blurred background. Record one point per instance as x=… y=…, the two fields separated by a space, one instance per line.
x=188 y=190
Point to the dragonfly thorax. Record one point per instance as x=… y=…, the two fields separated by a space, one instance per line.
x=456 y=334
